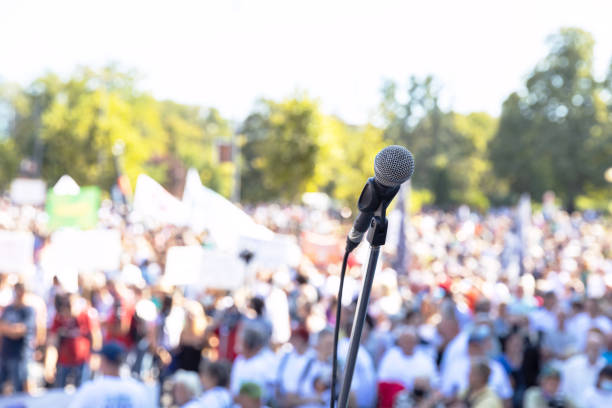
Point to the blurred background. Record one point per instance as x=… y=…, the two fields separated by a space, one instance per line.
x=147 y=146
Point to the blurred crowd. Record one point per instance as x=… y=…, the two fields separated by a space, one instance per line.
x=510 y=308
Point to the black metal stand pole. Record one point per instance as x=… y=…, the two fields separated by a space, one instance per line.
x=376 y=236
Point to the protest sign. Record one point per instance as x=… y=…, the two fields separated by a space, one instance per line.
x=280 y=251
x=203 y=268
x=73 y=210
x=28 y=191
x=16 y=251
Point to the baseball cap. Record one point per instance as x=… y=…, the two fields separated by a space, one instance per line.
x=550 y=371
x=479 y=333
x=251 y=390
x=113 y=352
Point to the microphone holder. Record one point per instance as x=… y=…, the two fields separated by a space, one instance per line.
x=376 y=236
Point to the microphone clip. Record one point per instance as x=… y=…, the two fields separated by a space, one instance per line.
x=377 y=233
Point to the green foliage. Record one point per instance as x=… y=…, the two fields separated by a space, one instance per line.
x=8 y=162
x=345 y=159
x=420 y=199
x=450 y=149
x=554 y=134
x=73 y=126
x=280 y=149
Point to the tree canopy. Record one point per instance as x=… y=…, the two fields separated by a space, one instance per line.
x=555 y=133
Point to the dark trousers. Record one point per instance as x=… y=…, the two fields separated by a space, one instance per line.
x=14 y=370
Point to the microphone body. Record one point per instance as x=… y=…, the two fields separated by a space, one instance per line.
x=393 y=166
x=374 y=196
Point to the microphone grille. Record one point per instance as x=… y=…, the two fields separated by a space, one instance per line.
x=393 y=165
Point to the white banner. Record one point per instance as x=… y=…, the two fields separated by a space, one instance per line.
x=16 y=251
x=152 y=203
x=28 y=191
x=225 y=222
x=203 y=268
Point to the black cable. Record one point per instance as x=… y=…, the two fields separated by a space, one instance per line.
x=337 y=329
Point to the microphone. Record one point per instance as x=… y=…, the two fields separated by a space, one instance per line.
x=393 y=166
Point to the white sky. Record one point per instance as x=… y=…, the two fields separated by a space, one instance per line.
x=227 y=53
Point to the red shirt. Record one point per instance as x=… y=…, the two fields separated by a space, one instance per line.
x=113 y=332
x=74 y=338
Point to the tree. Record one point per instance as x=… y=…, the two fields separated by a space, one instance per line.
x=72 y=126
x=345 y=158
x=280 y=149
x=552 y=134
x=191 y=136
x=449 y=148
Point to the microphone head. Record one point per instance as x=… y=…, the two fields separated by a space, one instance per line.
x=393 y=166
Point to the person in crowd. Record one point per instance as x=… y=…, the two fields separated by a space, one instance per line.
x=520 y=359
x=363 y=386
x=457 y=347
x=447 y=330
x=479 y=394
x=250 y=396
x=422 y=395
x=544 y=319
x=256 y=314
x=72 y=336
x=293 y=364
x=599 y=395
x=315 y=385
x=17 y=327
x=118 y=325
x=404 y=365
x=255 y=363
x=456 y=378
x=559 y=345
x=166 y=334
x=186 y=389
x=580 y=372
x=591 y=318
x=109 y=389
x=225 y=328
x=548 y=392
x=607 y=354
x=188 y=355
x=215 y=380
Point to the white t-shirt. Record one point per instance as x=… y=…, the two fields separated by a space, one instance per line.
x=396 y=366
x=217 y=397
x=277 y=309
x=579 y=326
x=112 y=392
x=194 y=403
x=316 y=370
x=364 y=376
x=260 y=369
x=544 y=320
x=596 y=398
x=578 y=375
x=291 y=367
x=455 y=350
x=456 y=378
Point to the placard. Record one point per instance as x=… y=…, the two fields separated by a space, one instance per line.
x=28 y=191
x=16 y=251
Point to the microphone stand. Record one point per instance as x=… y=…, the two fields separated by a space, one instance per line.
x=376 y=236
